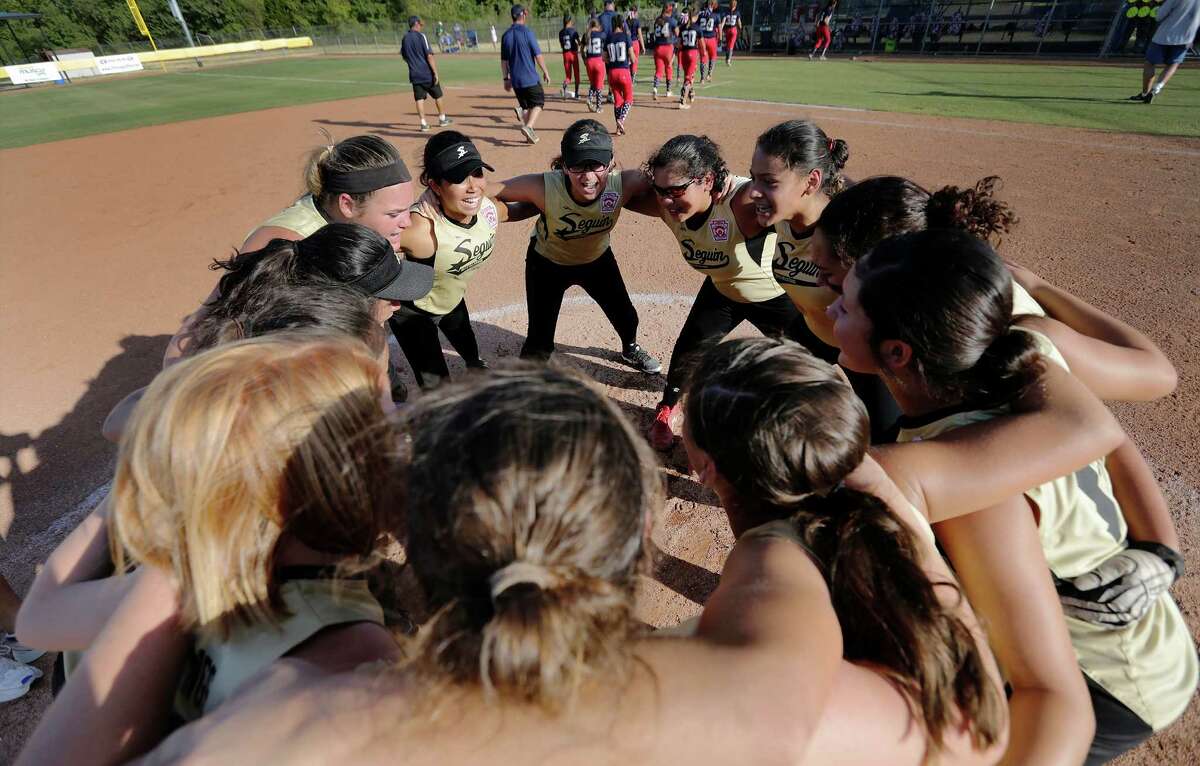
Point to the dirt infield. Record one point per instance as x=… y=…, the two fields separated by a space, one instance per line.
x=106 y=240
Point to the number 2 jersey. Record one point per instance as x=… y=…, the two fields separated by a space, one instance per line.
x=1150 y=665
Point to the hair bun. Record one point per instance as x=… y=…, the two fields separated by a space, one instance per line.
x=839 y=150
x=521 y=573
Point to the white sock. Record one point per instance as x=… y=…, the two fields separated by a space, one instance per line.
x=1157 y=88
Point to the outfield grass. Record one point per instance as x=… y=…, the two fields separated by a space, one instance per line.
x=1079 y=96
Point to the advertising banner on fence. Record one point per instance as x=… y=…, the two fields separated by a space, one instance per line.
x=25 y=74
x=124 y=62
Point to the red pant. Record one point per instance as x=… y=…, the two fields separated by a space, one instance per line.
x=708 y=49
x=595 y=71
x=689 y=59
x=730 y=40
x=662 y=61
x=823 y=38
x=622 y=86
x=571 y=66
x=635 y=50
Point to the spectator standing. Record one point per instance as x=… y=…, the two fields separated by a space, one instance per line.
x=520 y=60
x=422 y=72
x=495 y=40
x=1178 y=21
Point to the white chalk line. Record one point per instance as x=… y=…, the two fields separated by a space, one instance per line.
x=1132 y=147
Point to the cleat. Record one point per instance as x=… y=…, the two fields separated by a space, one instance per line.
x=424 y=127
x=634 y=355
x=1139 y=97
x=443 y=121
x=662 y=436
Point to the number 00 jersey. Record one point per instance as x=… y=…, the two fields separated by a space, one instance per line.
x=571 y=234
x=461 y=249
x=740 y=270
x=1150 y=665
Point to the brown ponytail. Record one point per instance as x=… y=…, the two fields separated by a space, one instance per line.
x=974 y=210
x=534 y=494
x=783 y=429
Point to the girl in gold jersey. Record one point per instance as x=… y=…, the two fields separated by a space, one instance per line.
x=453 y=229
x=932 y=313
x=248 y=474
x=580 y=200
x=711 y=213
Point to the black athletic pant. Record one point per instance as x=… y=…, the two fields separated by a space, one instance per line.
x=881 y=406
x=713 y=316
x=416 y=331
x=1118 y=729
x=547 y=281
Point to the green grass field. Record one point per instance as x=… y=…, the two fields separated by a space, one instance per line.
x=1078 y=96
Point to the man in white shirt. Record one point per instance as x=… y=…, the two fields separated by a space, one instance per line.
x=1178 y=21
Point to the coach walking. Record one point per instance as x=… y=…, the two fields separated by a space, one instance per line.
x=519 y=52
x=422 y=72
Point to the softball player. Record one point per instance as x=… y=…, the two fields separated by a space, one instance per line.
x=568 y=39
x=824 y=30
x=580 y=200
x=617 y=56
x=689 y=59
x=731 y=24
x=633 y=26
x=713 y=218
x=707 y=21
x=662 y=39
x=454 y=231
x=593 y=57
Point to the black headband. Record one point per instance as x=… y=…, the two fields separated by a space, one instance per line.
x=359 y=181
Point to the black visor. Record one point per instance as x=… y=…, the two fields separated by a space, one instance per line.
x=395 y=279
x=456 y=162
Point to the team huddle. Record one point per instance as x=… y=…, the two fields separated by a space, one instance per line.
x=946 y=548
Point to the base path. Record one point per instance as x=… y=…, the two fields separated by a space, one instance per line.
x=107 y=239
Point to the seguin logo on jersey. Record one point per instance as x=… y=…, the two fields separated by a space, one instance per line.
x=608 y=201
x=720 y=229
x=573 y=227
x=475 y=256
x=792 y=269
x=703 y=259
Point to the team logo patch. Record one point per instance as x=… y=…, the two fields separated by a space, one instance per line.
x=719 y=229
x=489 y=215
x=608 y=201
x=462 y=152
x=585 y=137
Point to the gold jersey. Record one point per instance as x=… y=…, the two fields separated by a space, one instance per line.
x=740 y=270
x=461 y=249
x=797 y=275
x=571 y=234
x=1024 y=304
x=1150 y=665
x=302 y=217
x=217 y=668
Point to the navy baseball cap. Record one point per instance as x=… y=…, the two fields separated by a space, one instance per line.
x=456 y=162
x=516 y=11
x=414 y=20
x=582 y=144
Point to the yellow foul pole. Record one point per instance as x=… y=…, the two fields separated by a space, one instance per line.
x=141 y=25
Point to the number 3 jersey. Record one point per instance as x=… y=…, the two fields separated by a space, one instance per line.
x=569 y=233
x=461 y=249
x=1150 y=665
x=740 y=269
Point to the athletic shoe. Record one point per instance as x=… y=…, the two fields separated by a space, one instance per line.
x=662 y=436
x=668 y=93
x=1140 y=96
x=654 y=93
x=16 y=678
x=620 y=128
x=443 y=121
x=11 y=647
x=1149 y=99
x=424 y=127
x=520 y=117
x=563 y=92
x=530 y=136
x=810 y=57
x=683 y=104
x=575 y=95
x=637 y=357
x=823 y=57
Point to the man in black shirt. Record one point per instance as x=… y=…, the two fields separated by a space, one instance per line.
x=422 y=72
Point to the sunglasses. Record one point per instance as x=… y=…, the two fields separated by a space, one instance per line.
x=593 y=167
x=674 y=192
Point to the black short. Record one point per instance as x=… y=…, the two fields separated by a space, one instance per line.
x=530 y=97
x=423 y=89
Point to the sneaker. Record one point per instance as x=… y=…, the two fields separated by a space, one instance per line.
x=443 y=121
x=654 y=93
x=1139 y=97
x=823 y=57
x=639 y=359
x=668 y=92
x=810 y=57
x=530 y=136
x=620 y=128
x=563 y=91
x=478 y=364
x=683 y=104
x=424 y=127
x=520 y=117
x=1149 y=99
x=16 y=678
x=662 y=436
x=11 y=647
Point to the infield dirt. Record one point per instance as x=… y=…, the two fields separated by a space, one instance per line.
x=107 y=239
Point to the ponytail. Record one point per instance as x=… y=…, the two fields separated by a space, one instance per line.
x=276 y=262
x=974 y=210
x=803 y=147
x=357 y=153
x=891 y=615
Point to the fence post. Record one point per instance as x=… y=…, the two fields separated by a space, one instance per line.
x=987 y=20
x=1046 y=32
x=753 y=8
x=928 y=25
x=1106 y=46
x=878 y=24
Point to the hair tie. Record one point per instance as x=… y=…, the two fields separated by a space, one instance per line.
x=829 y=145
x=520 y=573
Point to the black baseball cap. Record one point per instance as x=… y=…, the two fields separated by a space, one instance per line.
x=516 y=11
x=394 y=279
x=584 y=143
x=414 y=20
x=456 y=162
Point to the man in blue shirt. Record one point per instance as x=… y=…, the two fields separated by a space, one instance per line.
x=606 y=17
x=422 y=72
x=520 y=58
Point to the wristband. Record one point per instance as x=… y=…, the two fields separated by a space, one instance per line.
x=1164 y=552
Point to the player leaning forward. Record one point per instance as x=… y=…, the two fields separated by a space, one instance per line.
x=580 y=200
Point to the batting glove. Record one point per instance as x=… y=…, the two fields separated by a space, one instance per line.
x=1122 y=588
